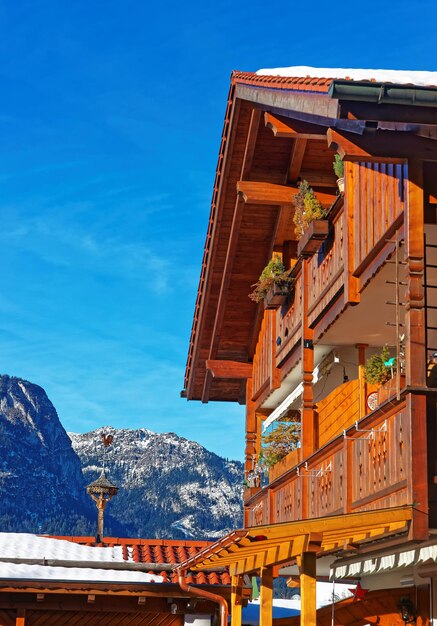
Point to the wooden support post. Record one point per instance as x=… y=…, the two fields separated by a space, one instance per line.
x=415 y=348
x=309 y=434
x=351 y=292
x=236 y=603
x=361 y=347
x=21 y=617
x=416 y=407
x=251 y=429
x=308 y=604
x=266 y=596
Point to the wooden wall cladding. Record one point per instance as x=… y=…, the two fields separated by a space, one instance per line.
x=85 y=618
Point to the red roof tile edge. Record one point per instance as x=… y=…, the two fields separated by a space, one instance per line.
x=307 y=83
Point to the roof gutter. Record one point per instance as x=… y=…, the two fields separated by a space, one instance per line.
x=383 y=93
x=208 y=595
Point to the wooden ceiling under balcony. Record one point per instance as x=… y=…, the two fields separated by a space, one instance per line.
x=263 y=157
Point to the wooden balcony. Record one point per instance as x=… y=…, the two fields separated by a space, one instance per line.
x=362 y=471
x=356 y=247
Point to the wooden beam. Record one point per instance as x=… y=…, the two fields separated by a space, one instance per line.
x=251 y=142
x=318 y=179
x=236 y=600
x=233 y=243
x=296 y=158
x=381 y=145
x=255 y=192
x=229 y=369
x=308 y=604
x=336 y=522
x=289 y=128
x=266 y=597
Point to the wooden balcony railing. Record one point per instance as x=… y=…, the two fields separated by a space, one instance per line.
x=364 y=471
x=327 y=269
x=289 y=325
x=265 y=373
x=376 y=200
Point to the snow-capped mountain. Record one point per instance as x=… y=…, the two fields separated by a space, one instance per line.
x=169 y=486
x=41 y=484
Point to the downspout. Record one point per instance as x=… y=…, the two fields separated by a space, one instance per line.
x=201 y=593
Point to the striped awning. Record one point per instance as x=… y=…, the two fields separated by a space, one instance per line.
x=384 y=563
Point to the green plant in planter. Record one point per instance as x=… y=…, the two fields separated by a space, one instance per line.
x=307 y=208
x=273 y=274
x=276 y=444
x=378 y=368
x=338 y=166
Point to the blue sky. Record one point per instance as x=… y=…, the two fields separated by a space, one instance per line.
x=110 y=121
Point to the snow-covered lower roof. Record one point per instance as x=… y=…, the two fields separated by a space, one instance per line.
x=399 y=77
x=20 y=571
x=26 y=545
x=16 y=547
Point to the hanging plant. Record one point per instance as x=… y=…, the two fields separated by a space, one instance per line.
x=307 y=208
x=378 y=368
x=273 y=274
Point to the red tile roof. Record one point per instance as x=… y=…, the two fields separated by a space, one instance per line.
x=165 y=551
x=307 y=83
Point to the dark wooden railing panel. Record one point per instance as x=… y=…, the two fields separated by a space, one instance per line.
x=289 y=325
x=368 y=471
x=265 y=375
x=327 y=273
x=378 y=200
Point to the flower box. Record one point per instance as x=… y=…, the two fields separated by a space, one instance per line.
x=388 y=389
x=277 y=295
x=313 y=237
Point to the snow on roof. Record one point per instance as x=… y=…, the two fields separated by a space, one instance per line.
x=16 y=546
x=19 y=571
x=399 y=77
x=25 y=545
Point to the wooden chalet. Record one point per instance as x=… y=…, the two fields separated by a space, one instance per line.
x=121 y=582
x=356 y=499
